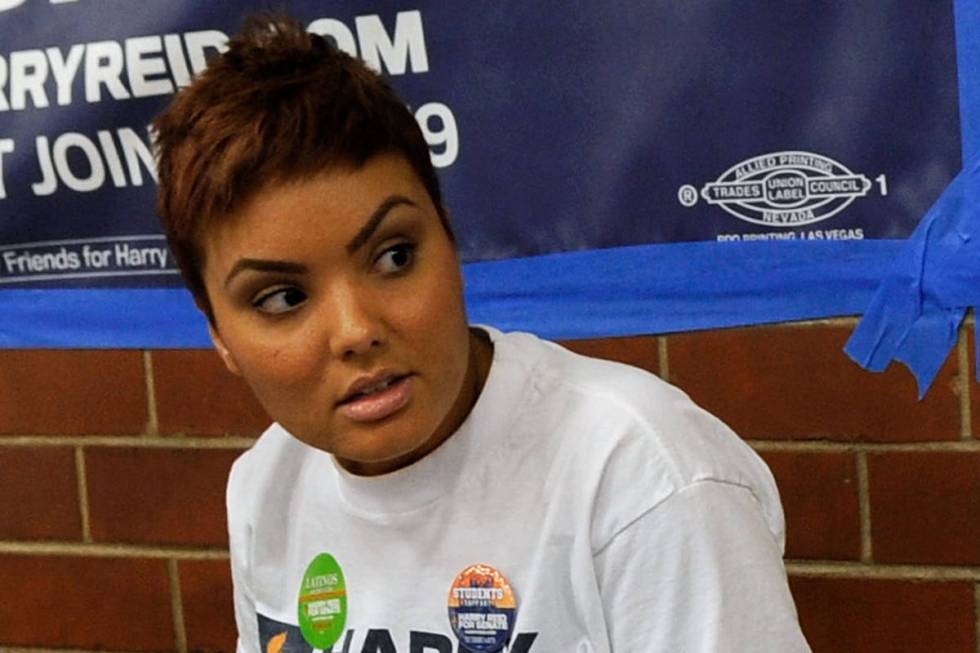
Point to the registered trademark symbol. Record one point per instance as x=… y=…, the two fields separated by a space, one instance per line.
x=687 y=195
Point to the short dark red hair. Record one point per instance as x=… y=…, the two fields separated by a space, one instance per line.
x=280 y=104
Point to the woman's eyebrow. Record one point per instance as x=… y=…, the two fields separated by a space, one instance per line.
x=263 y=265
x=375 y=221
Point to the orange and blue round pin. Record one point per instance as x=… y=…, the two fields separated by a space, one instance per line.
x=482 y=609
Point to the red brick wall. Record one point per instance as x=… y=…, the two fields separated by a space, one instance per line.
x=113 y=463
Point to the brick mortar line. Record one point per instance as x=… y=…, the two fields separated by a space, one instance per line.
x=51 y=650
x=177 y=606
x=92 y=550
x=244 y=442
x=840 y=320
x=963 y=384
x=864 y=507
x=823 y=446
x=861 y=570
x=663 y=358
x=976 y=606
x=139 y=441
x=153 y=422
x=82 y=483
x=795 y=567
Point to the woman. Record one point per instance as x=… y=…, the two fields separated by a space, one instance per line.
x=428 y=485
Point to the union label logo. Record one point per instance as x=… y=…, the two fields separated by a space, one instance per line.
x=783 y=189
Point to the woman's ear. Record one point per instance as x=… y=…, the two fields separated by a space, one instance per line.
x=223 y=353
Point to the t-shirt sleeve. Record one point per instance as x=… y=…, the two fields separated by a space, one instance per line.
x=239 y=544
x=700 y=572
x=245 y=614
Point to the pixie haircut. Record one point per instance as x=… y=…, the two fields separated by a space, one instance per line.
x=279 y=105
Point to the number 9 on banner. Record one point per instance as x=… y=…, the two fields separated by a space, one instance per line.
x=445 y=136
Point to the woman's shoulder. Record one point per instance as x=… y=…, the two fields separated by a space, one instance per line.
x=549 y=361
x=260 y=470
x=551 y=373
x=628 y=428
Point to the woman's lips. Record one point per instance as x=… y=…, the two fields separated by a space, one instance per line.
x=381 y=404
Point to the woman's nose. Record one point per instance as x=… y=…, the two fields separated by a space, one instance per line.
x=354 y=326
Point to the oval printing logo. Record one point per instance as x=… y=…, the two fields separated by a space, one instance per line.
x=786 y=189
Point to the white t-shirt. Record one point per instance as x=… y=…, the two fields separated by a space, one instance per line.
x=625 y=518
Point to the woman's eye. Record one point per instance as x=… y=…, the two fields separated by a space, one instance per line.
x=279 y=300
x=395 y=259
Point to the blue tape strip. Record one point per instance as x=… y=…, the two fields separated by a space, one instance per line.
x=915 y=313
x=676 y=287
x=611 y=292
x=101 y=318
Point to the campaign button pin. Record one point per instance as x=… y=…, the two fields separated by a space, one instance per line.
x=322 y=603
x=482 y=609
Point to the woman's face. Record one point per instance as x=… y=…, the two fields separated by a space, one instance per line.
x=339 y=299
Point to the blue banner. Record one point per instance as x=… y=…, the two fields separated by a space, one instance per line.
x=634 y=167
